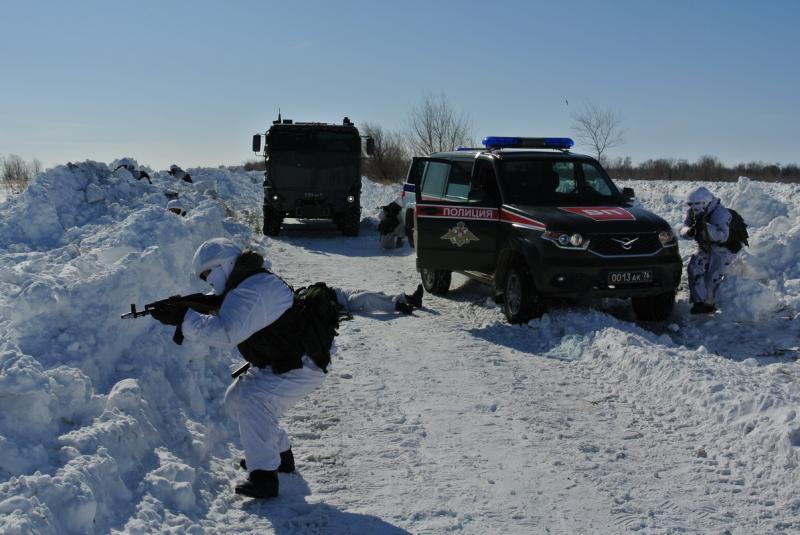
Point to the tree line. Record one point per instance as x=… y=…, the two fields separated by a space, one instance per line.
x=706 y=168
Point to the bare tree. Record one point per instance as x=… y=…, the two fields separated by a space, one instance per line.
x=598 y=128
x=434 y=126
x=15 y=173
x=390 y=160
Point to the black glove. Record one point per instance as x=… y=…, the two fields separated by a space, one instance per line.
x=169 y=314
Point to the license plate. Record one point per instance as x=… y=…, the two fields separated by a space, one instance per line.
x=630 y=277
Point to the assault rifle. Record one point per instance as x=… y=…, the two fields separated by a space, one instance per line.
x=203 y=303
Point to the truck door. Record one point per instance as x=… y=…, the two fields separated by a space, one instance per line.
x=456 y=227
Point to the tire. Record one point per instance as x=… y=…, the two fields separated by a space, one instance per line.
x=410 y=228
x=273 y=219
x=436 y=281
x=351 y=221
x=521 y=301
x=653 y=307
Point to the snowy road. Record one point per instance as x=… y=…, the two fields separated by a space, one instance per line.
x=453 y=421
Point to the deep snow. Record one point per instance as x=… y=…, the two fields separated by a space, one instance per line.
x=448 y=421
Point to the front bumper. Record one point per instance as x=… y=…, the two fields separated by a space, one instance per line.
x=578 y=274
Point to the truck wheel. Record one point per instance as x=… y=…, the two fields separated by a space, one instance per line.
x=351 y=221
x=653 y=307
x=272 y=220
x=410 y=228
x=521 y=301
x=436 y=281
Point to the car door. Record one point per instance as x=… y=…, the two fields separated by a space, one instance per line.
x=455 y=229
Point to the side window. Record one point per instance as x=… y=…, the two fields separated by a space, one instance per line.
x=434 y=178
x=595 y=181
x=487 y=183
x=458 y=183
x=567 y=178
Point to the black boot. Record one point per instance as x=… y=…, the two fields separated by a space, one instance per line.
x=286 y=466
x=287 y=462
x=260 y=484
x=405 y=308
x=415 y=299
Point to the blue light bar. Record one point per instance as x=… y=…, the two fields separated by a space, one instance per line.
x=497 y=142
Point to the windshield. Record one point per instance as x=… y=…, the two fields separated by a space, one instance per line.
x=304 y=140
x=556 y=183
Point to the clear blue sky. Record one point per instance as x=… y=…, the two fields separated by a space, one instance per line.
x=190 y=82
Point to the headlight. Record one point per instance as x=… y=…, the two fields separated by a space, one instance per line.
x=351 y=199
x=666 y=237
x=565 y=240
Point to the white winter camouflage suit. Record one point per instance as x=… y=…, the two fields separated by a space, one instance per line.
x=355 y=301
x=259 y=397
x=707 y=266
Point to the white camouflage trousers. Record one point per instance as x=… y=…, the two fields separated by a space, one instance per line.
x=706 y=272
x=257 y=399
x=363 y=301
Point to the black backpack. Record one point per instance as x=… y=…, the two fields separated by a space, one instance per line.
x=321 y=313
x=737 y=233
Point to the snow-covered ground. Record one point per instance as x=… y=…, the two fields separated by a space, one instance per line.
x=446 y=421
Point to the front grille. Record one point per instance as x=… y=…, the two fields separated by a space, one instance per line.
x=605 y=244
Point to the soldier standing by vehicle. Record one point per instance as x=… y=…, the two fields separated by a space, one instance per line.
x=719 y=233
x=259 y=315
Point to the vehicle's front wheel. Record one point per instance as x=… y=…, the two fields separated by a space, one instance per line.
x=653 y=307
x=521 y=301
x=272 y=220
x=436 y=281
x=351 y=221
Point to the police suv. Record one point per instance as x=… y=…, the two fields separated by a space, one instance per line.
x=538 y=222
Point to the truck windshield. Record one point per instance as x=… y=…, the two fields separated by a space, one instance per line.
x=556 y=183
x=304 y=140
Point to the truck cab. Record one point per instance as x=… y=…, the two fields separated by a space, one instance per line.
x=313 y=171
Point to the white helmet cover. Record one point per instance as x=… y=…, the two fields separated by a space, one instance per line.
x=215 y=252
x=699 y=198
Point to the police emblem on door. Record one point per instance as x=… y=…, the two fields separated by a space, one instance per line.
x=460 y=235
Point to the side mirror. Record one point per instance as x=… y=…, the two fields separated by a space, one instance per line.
x=628 y=194
x=257 y=143
x=370 y=146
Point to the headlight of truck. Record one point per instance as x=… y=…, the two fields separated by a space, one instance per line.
x=666 y=237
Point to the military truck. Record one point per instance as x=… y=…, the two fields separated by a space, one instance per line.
x=313 y=171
